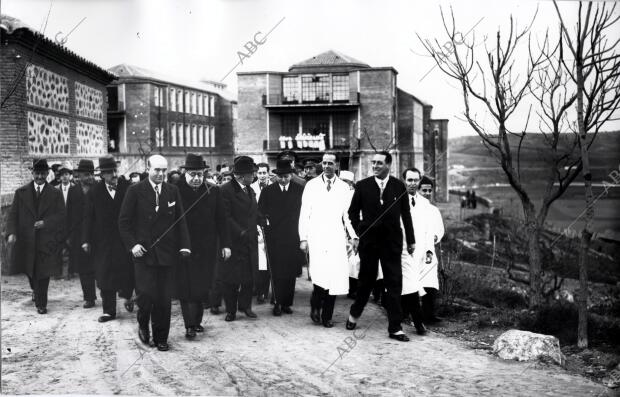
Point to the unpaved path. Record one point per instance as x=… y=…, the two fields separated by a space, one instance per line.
x=68 y=352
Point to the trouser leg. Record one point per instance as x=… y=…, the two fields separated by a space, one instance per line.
x=316 y=300
x=145 y=307
x=87 y=280
x=231 y=295
x=262 y=283
x=392 y=278
x=284 y=289
x=369 y=263
x=411 y=306
x=40 y=291
x=108 y=301
x=428 y=303
x=162 y=305
x=327 y=310
x=245 y=296
x=187 y=310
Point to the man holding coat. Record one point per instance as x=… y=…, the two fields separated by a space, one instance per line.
x=208 y=229
x=279 y=205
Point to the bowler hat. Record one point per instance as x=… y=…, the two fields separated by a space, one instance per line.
x=283 y=167
x=86 y=166
x=243 y=165
x=194 y=162
x=107 y=163
x=40 y=165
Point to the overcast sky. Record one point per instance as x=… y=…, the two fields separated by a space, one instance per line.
x=200 y=39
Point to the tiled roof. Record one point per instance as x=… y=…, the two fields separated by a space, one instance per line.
x=128 y=71
x=330 y=58
x=11 y=25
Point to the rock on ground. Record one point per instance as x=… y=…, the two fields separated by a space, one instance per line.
x=526 y=346
x=68 y=352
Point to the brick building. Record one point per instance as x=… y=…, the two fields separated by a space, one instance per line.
x=335 y=103
x=53 y=106
x=151 y=113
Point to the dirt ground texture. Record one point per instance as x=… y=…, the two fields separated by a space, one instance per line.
x=68 y=352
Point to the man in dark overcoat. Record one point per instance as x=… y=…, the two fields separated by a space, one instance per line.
x=240 y=209
x=112 y=263
x=279 y=205
x=35 y=228
x=208 y=230
x=153 y=227
x=73 y=196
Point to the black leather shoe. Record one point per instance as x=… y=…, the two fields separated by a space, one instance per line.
x=420 y=329
x=315 y=315
x=199 y=328
x=190 y=333
x=250 y=313
x=89 y=304
x=287 y=310
x=230 y=317
x=41 y=310
x=277 y=310
x=260 y=298
x=400 y=337
x=163 y=346
x=129 y=305
x=144 y=336
x=215 y=310
x=350 y=326
x=328 y=323
x=106 y=317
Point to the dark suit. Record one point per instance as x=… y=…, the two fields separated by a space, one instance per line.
x=162 y=234
x=208 y=231
x=113 y=266
x=79 y=261
x=37 y=252
x=281 y=210
x=381 y=239
x=240 y=209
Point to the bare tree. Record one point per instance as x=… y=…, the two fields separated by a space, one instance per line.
x=499 y=84
x=594 y=68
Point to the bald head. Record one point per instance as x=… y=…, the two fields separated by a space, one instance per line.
x=157 y=166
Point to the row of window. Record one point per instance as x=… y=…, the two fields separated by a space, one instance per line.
x=315 y=88
x=186 y=135
x=184 y=101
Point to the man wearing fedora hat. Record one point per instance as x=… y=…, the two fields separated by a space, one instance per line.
x=112 y=263
x=35 y=229
x=279 y=206
x=153 y=227
x=291 y=157
x=208 y=230
x=240 y=209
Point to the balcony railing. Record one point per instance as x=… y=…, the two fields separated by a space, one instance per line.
x=307 y=142
x=278 y=99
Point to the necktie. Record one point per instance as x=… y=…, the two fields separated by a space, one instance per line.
x=262 y=185
x=38 y=191
x=156 y=196
x=381 y=193
x=110 y=187
x=413 y=201
x=329 y=185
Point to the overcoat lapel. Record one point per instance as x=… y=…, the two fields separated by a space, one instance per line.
x=29 y=199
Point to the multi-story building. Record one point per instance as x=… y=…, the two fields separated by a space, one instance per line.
x=335 y=103
x=151 y=113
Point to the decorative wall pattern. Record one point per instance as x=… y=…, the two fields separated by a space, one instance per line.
x=47 y=134
x=46 y=89
x=89 y=139
x=88 y=102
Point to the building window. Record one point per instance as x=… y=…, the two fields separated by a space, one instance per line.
x=160 y=136
x=340 y=87
x=340 y=129
x=206 y=105
x=157 y=94
x=212 y=106
x=179 y=100
x=290 y=89
x=180 y=134
x=200 y=108
x=173 y=100
x=290 y=125
x=173 y=134
x=315 y=88
x=206 y=135
x=194 y=135
x=212 y=136
x=186 y=108
x=188 y=135
x=193 y=103
x=201 y=141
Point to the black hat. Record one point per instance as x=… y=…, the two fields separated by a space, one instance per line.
x=310 y=163
x=287 y=153
x=194 y=162
x=64 y=167
x=243 y=165
x=40 y=165
x=86 y=166
x=283 y=167
x=106 y=163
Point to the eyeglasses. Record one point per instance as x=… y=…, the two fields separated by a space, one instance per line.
x=194 y=174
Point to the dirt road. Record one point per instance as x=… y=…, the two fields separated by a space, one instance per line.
x=68 y=352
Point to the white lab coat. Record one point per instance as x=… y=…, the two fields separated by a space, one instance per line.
x=427 y=224
x=322 y=221
x=262 y=255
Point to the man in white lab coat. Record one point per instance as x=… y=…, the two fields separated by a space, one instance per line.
x=322 y=235
x=428 y=229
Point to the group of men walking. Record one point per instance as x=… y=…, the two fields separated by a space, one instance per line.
x=197 y=241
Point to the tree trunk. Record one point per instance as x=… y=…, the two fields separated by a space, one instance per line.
x=535 y=259
x=582 y=298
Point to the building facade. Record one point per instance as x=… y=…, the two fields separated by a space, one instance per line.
x=53 y=104
x=332 y=103
x=150 y=113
